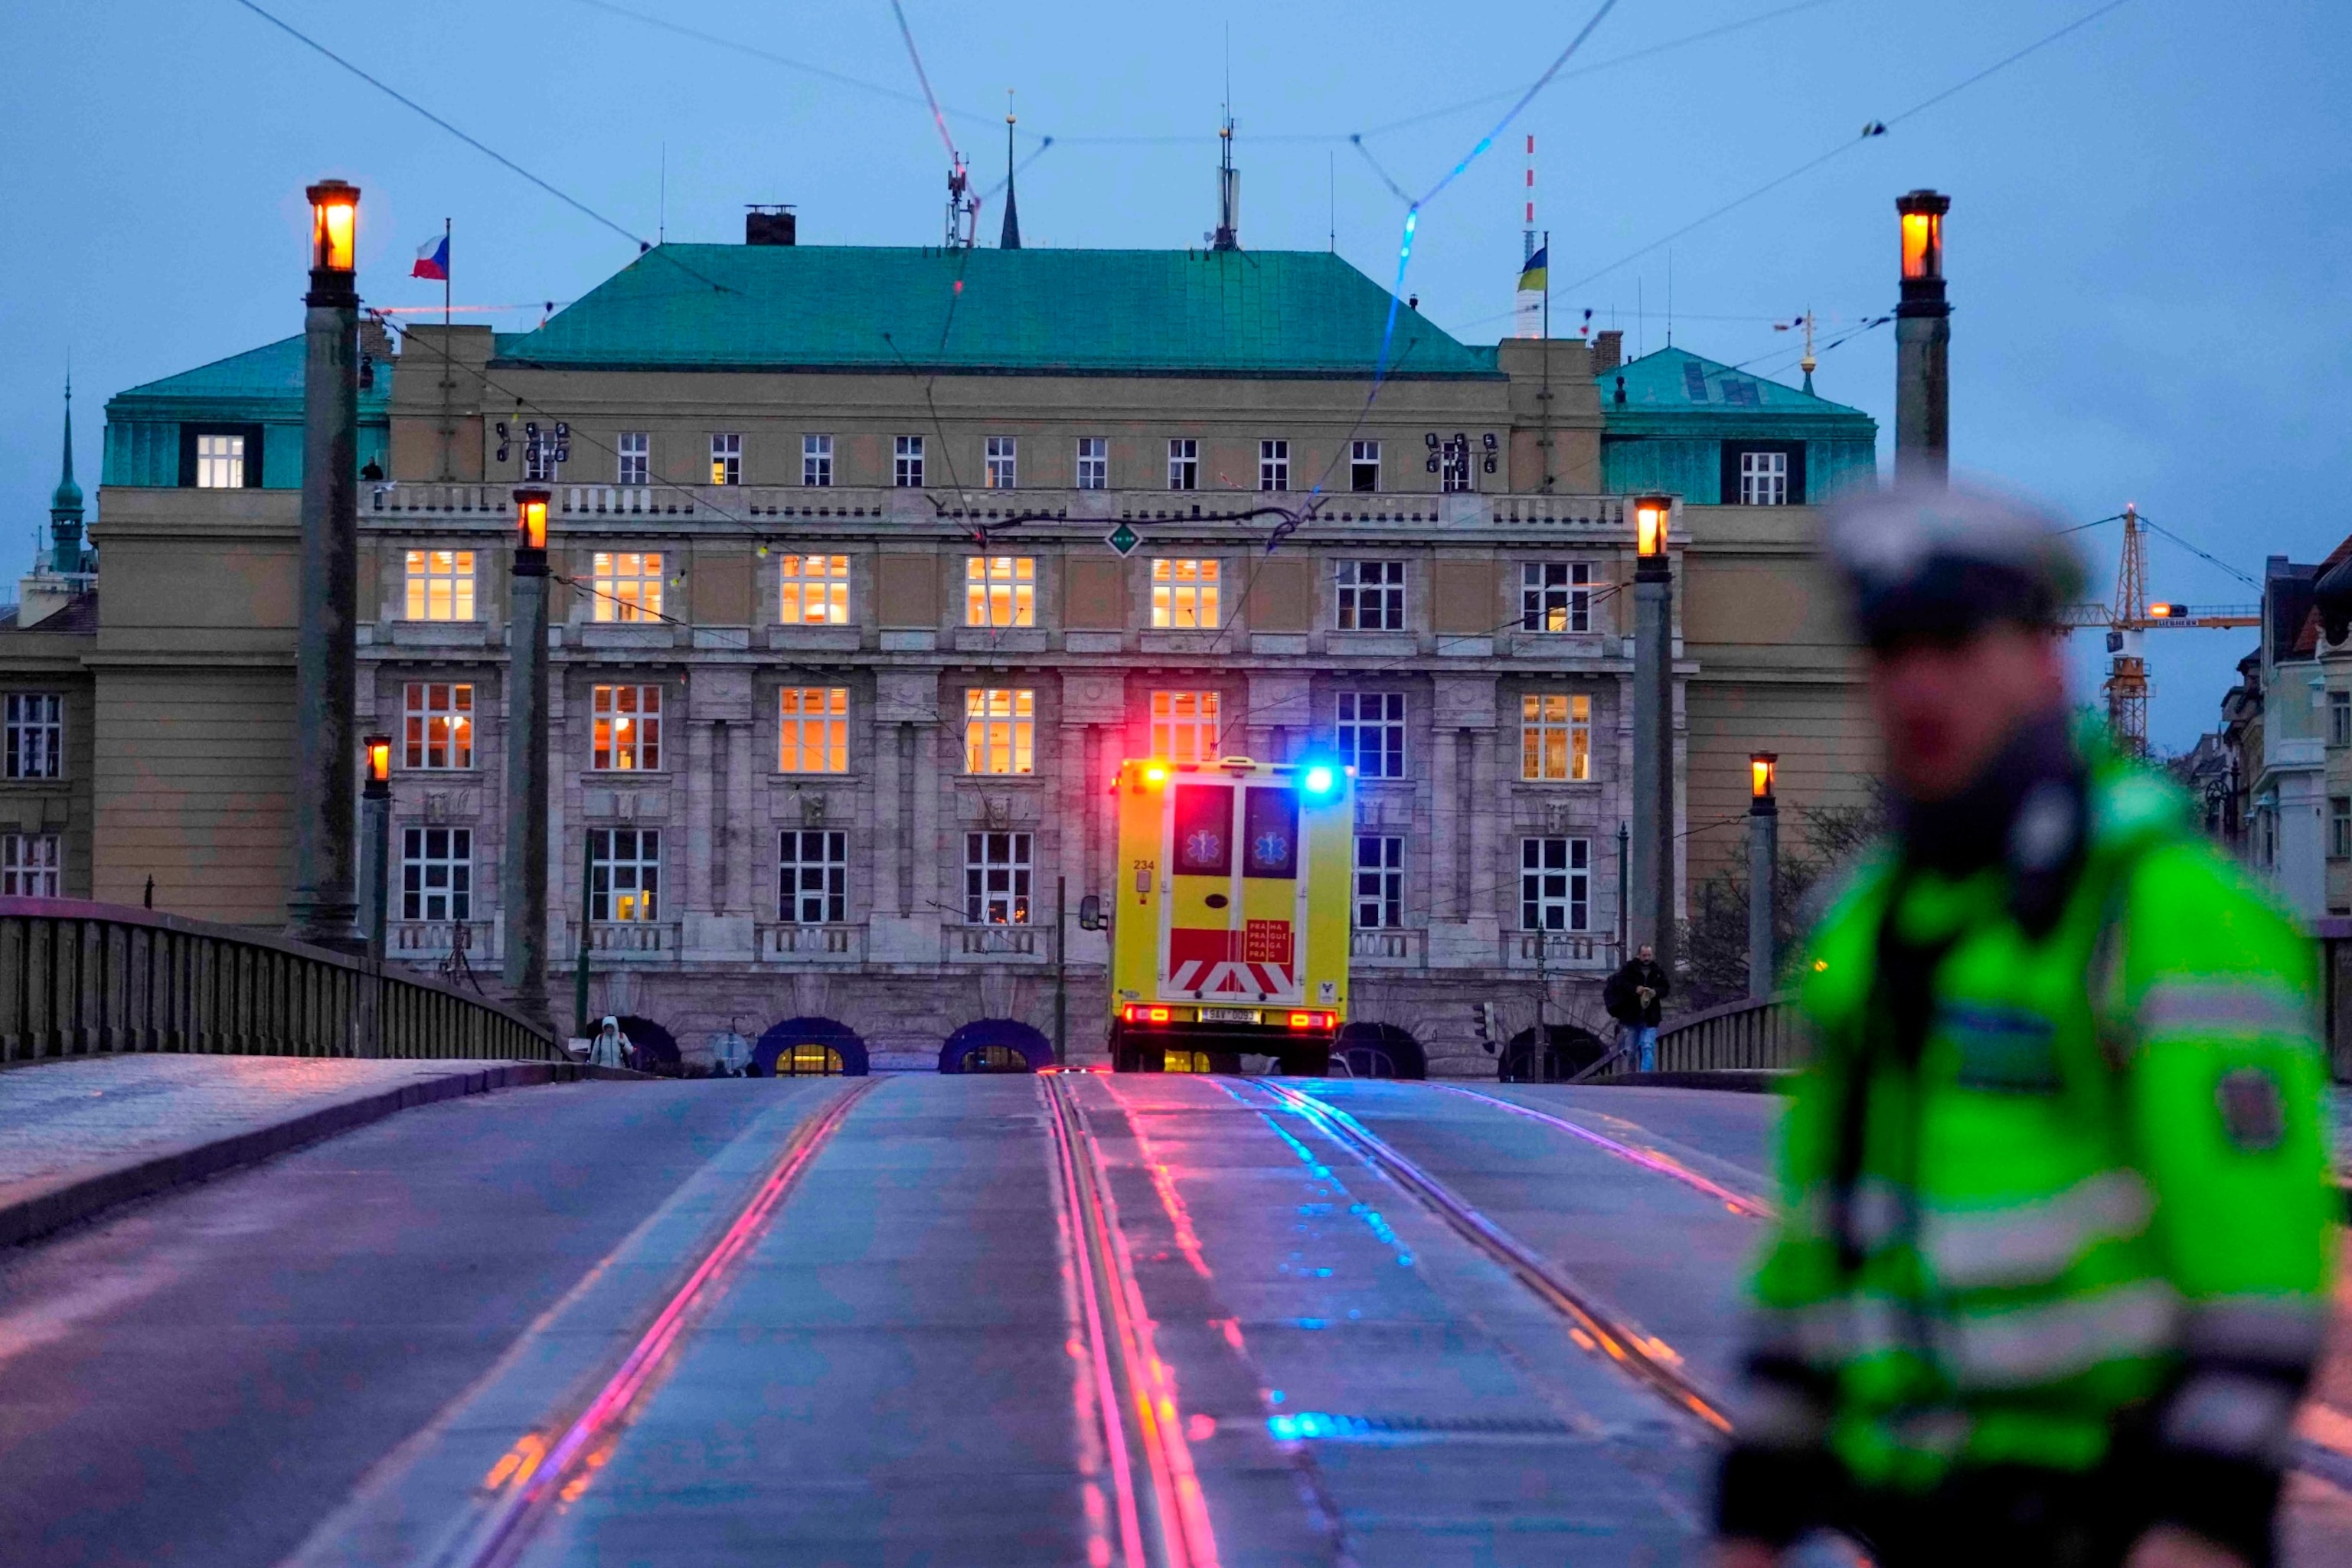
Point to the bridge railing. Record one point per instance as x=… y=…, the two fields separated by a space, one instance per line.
x=1737 y=1034
x=85 y=979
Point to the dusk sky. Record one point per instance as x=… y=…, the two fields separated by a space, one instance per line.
x=2150 y=299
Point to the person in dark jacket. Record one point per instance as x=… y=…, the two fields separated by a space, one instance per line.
x=1631 y=997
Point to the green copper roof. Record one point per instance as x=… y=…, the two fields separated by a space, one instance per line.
x=1102 y=312
x=271 y=373
x=1675 y=380
x=66 y=496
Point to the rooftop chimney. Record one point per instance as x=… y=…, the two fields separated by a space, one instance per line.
x=771 y=225
x=1608 y=351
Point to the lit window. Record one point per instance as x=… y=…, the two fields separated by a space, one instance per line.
x=996 y=876
x=440 y=584
x=439 y=725
x=220 y=462
x=807 y=1058
x=1370 y=734
x=1183 y=463
x=814 y=590
x=1556 y=737
x=625 y=585
x=1184 y=594
x=1000 y=731
x=1274 y=465
x=907 y=463
x=1004 y=459
x=37 y=733
x=815 y=730
x=1379 y=881
x=816 y=462
x=727 y=459
x=1370 y=595
x=1185 y=726
x=1555 y=884
x=813 y=877
x=1000 y=591
x=1763 y=479
x=1094 y=463
x=1556 y=597
x=1364 y=466
x=29 y=866
x=635 y=450
x=627 y=722
x=436 y=874
x=623 y=874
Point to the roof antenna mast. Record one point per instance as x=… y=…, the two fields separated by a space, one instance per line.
x=1229 y=180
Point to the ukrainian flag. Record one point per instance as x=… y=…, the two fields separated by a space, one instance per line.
x=1532 y=280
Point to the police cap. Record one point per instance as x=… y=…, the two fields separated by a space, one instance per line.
x=1932 y=565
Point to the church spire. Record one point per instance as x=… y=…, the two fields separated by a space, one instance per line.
x=65 y=503
x=1010 y=239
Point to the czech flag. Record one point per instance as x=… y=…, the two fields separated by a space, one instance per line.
x=1532 y=279
x=433 y=259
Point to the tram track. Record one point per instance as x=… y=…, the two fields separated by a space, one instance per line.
x=1157 y=1509
x=536 y=1476
x=1589 y=1320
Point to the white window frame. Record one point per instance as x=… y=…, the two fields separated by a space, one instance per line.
x=816 y=462
x=1187 y=593
x=1379 y=900
x=440 y=585
x=1188 y=726
x=812 y=876
x=813 y=590
x=726 y=459
x=1000 y=731
x=436 y=726
x=1274 y=465
x=1094 y=463
x=1369 y=732
x=2339 y=717
x=437 y=873
x=1368 y=596
x=625 y=585
x=1555 y=596
x=1000 y=591
x=1000 y=460
x=813 y=730
x=1183 y=463
x=36 y=735
x=634 y=457
x=623 y=888
x=1763 y=479
x=220 y=462
x=2339 y=827
x=907 y=462
x=1556 y=737
x=32 y=865
x=625 y=724
x=999 y=878
x=1364 y=464
x=1555 y=880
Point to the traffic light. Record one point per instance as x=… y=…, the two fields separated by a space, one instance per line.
x=1490 y=1029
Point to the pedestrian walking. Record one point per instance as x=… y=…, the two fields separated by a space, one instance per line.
x=611 y=1047
x=1633 y=996
x=2053 y=1265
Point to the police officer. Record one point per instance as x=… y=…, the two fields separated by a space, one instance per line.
x=2053 y=1260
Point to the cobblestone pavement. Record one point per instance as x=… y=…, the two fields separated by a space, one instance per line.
x=58 y=1117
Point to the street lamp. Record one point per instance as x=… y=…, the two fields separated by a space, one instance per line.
x=1763 y=869
x=334 y=227
x=1923 y=343
x=1653 y=919
x=522 y=885
x=375 y=807
x=1652 y=516
x=1922 y=220
x=530 y=527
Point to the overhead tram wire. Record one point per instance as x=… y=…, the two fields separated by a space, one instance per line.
x=644 y=246
x=1870 y=131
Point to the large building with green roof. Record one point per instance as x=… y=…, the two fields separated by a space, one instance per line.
x=873 y=562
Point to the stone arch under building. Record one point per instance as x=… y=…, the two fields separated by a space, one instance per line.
x=996 y=1045
x=1379 y=1050
x=809 y=1047
x=656 y=1047
x=1562 y=1052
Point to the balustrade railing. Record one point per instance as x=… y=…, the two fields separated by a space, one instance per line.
x=84 y=979
x=1764 y=1035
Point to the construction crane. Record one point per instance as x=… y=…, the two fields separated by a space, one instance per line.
x=2128 y=618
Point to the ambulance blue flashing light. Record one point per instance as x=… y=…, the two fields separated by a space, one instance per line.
x=1321 y=779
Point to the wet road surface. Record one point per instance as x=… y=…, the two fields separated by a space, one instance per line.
x=917 y=1321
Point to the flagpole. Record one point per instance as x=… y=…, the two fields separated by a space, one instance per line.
x=444 y=275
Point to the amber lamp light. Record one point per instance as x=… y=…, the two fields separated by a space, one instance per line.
x=379 y=759
x=1921 y=213
x=530 y=519
x=1651 y=515
x=1763 y=767
x=334 y=224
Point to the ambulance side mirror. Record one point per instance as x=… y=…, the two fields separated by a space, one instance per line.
x=1090 y=916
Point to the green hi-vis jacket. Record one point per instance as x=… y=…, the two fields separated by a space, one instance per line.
x=2084 y=1214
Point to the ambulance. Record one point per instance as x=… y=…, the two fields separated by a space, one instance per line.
x=1229 y=920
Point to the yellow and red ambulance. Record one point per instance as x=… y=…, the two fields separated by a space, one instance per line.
x=1229 y=924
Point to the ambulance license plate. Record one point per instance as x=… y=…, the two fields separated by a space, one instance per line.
x=1229 y=1014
